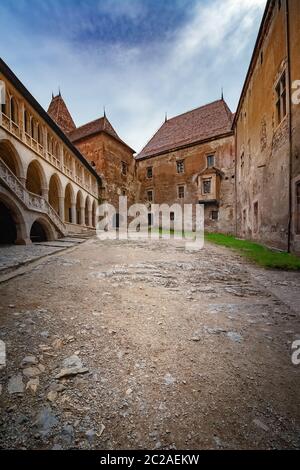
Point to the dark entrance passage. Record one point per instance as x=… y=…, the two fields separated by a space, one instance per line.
x=37 y=233
x=8 y=231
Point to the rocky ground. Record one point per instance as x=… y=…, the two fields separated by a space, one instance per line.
x=118 y=345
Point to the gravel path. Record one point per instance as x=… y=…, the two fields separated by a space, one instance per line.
x=117 y=345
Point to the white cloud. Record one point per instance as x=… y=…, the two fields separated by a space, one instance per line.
x=138 y=84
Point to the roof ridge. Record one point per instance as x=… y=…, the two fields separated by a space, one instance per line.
x=195 y=109
x=88 y=123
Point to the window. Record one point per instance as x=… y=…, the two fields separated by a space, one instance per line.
x=180 y=166
x=255 y=217
x=214 y=215
x=123 y=192
x=172 y=216
x=149 y=172
x=150 y=195
x=210 y=161
x=181 y=192
x=14 y=111
x=26 y=122
x=281 y=99
x=206 y=186
x=124 y=168
x=298 y=208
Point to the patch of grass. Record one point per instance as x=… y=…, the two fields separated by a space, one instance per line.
x=257 y=253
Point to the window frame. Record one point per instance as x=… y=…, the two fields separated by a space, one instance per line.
x=181 y=191
x=149 y=172
x=204 y=182
x=213 y=157
x=180 y=167
x=281 y=98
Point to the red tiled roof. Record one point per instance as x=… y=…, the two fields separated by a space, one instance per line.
x=206 y=122
x=59 y=112
x=95 y=127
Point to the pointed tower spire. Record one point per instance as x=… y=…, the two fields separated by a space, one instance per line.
x=222 y=94
x=166 y=116
x=59 y=112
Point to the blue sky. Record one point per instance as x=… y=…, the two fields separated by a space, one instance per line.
x=138 y=58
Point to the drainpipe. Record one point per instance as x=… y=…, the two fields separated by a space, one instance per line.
x=288 y=48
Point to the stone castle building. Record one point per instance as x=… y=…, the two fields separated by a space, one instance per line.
x=267 y=132
x=47 y=188
x=244 y=167
x=190 y=160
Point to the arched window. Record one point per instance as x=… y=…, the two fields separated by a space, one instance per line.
x=26 y=122
x=14 y=110
x=32 y=127
x=40 y=134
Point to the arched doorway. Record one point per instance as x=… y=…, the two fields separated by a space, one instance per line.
x=79 y=207
x=8 y=228
x=35 y=180
x=55 y=193
x=69 y=201
x=38 y=233
x=11 y=158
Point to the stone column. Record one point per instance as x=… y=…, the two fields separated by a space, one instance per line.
x=62 y=208
x=73 y=213
x=82 y=215
x=90 y=218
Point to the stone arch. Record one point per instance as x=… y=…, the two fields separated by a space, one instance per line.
x=35 y=179
x=55 y=192
x=69 y=204
x=41 y=231
x=12 y=223
x=79 y=208
x=11 y=158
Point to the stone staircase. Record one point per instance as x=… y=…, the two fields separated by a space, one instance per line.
x=32 y=202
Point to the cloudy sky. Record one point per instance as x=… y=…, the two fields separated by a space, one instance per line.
x=138 y=58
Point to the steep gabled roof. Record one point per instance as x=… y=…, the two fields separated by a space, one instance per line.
x=60 y=114
x=95 y=127
x=201 y=124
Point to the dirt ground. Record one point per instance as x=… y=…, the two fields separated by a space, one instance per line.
x=123 y=345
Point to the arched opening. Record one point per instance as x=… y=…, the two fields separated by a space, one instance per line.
x=35 y=180
x=8 y=228
x=69 y=198
x=54 y=192
x=10 y=158
x=38 y=233
x=14 y=110
x=79 y=205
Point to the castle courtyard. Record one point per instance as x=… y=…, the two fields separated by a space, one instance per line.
x=122 y=345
